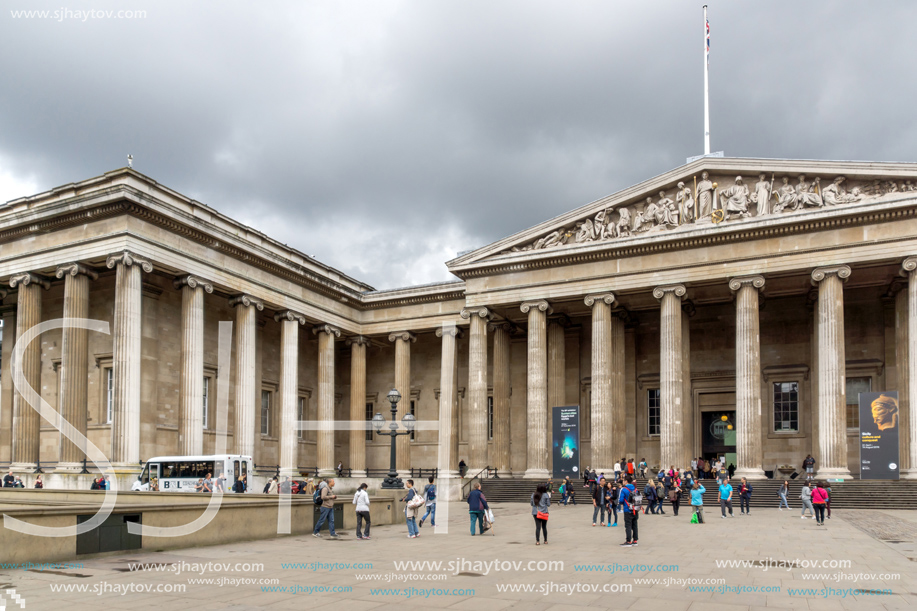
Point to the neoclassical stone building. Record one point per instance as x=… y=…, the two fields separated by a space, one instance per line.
x=728 y=307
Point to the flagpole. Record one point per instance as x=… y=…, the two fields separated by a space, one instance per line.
x=706 y=84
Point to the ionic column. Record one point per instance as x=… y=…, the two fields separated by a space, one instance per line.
x=126 y=358
x=74 y=360
x=26 y=439
x=619 y=318
x=537 y=391
x=325 y=446
x=191 y=398
x=557 y=375
x=6 y=382
x=671 y=384
x=477 y=388
x=909 y=270
x=358 y=345
x=603 y=423
x=687 y=408
x=749 y=453
x=403 y=341
x=500 y=458
x=290 y=322
x=246 y=395
x=832 y=383
x=448 y=447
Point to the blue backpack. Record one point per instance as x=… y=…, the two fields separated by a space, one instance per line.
x=431 y=493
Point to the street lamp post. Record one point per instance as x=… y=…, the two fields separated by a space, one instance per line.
x=393 y=481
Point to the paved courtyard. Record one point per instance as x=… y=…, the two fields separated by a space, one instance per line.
x=681 y=556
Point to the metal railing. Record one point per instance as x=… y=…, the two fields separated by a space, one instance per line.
x=487 y=471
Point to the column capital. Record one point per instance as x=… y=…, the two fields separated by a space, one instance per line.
x=504 y=325
x=678 y=290
x=481 y=312
x=326 y=328
x=128 y=258
x=820 y=273
x=290 y=315
x=192 y=282
x=405 y=336
x=908 y=265
x=591 y=299
x=27 y=278
x=75 y=269
x=357 y=340
x=623 y=314
x=246 y=300
x=541 y=304
x=454 y=331
x=738 y=282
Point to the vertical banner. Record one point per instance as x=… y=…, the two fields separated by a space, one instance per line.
x=566 y=442
x=879 y=435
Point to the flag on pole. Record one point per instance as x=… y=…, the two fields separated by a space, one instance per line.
x=708 y=40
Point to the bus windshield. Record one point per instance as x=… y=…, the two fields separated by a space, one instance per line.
x=187 y=469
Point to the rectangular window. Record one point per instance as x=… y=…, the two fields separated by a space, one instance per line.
x=369 y=420
x=786 y=407
x=206 y=403
x=302 y=416
x=109 y=394
x=854 y=387
x=490 y=417
x=653 y=415
x=265 y=412
x=413 y=413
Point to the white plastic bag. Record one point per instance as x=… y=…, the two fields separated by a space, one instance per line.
x=490 y=516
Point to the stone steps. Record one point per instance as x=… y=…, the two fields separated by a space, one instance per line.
x=855 y=494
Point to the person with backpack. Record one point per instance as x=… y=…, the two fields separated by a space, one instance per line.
x=412 y=507
x=569 y=493
x=642 y=467
x=325 y=497
x=745 y=491
x=429 y=494
x=629 y=502
x=819 y=500
x=660 y=497
x=806 y=496
x=726 y=498
x=650 y=492
x=540 y=502
x=477 y=505
x=598 y=502
x=697 y=501
x=361 y=500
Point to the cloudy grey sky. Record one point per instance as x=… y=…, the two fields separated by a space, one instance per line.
x=384 y=136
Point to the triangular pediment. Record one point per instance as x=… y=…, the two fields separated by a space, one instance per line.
x=706 y=194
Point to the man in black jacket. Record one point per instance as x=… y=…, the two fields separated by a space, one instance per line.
x=745 y=491
x=598 y=501
x=9 y=480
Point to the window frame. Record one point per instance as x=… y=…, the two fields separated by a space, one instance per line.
x=649 y=412
x=269 y=394
x=774 y=407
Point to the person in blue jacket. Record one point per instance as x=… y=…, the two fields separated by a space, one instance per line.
x=628 y=504
x=477 y=505
x=697 y=501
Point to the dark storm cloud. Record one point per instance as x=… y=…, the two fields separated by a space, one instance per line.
x=382 y=137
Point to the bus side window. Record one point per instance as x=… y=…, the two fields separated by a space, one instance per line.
x=145 y=475
x=244 y=467
x=235 y=471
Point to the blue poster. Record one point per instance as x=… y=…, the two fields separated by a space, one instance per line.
x=566 y=441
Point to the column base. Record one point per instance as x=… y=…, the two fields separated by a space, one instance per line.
x=749 y=473
x=835 y=473
x=908 y=473
x=354 y=473
x=24 y=467
x=541 y=474
x=326 y=472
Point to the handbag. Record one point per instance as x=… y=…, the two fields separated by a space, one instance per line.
x=541 y=515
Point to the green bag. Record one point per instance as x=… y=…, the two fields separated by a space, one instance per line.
x=694 y=519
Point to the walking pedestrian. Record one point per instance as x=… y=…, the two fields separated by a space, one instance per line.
x=745 y=490
x=782 y=492
x=697 y=501
x=806 y=496
x=413 y=503
x=617 y=470
x=629 y=502
x=429 y=495
x=630 y=466
x=675 y=498
x=361 y=500
x=650 y=492
x=598 y=502
x=827 y=489
x=660 y=497
x=708 y=471
x=611 y=501
x=477 y=505
x=819 y=500
x=540 y=502
x=726 y=498
x=326 y=492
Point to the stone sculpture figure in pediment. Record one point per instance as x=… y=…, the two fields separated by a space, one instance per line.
x=645 y=220
x=786 y=197
x=555 y=238
x=666 y=211
x=622 y=227
x=584 y=231
x=684 y=199
x=806 y=194
x=704 y=196
x=835 y=193
x=736 y=199
x=762 y=194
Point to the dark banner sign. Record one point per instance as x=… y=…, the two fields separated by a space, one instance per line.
x=566 y=442
x=879 y=435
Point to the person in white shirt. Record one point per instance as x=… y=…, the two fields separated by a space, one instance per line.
x=617 y=471
x=361 y=500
